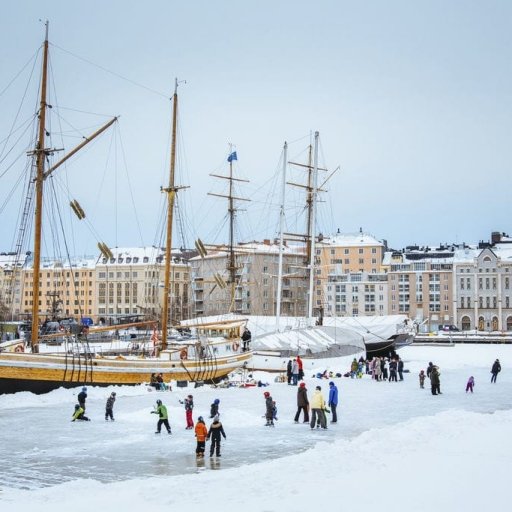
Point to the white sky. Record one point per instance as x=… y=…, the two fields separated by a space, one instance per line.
x=395 y=446
x=412 y=100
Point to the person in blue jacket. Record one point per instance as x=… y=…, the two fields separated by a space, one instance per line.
x=333 y=400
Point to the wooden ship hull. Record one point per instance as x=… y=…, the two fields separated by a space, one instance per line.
x=43 y=373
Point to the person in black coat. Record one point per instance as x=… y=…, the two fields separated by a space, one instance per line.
x=400 y=369
x=496 y=368
x=430 y=368
x=82 y=397
x=392 y=370
x=289 y=371
x=302 y=403
x=215 y=431
x=246 y=339
x=214 y=408
x=435 y=381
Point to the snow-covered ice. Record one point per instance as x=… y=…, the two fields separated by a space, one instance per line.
x=395 y=446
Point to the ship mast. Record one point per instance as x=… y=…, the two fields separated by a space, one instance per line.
x=171 y=191
x=312 y=235
x=40 y=157
x=281 y=240
x=231 y=266
x=232 y=257
x=41 y=152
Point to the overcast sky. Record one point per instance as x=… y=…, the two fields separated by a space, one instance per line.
x=412 y=100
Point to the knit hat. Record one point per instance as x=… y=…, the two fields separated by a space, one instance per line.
x=216 y=418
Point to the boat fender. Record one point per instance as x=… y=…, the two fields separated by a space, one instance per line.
x=183 y=353
x=19 y=348
x=235 y=346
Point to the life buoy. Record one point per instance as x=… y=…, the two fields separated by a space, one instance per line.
x=19 y=348
x=183 y=353
x=235 y=346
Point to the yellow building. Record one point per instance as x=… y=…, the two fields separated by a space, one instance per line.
x=66 y=289
x=130 y=284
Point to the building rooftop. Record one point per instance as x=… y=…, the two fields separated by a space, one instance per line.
x=351 y=240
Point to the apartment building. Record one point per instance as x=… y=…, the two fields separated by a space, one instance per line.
x=420 y=284
x=131 y=284
x=356 y=294
x=482 y=280
x=348 y=276
x=66 y=289
x=255 y=281
x=11 y=267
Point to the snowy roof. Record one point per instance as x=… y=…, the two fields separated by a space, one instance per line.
x=138 y=256
x=75 y=263
x=8 y=260
x=351 y=240
x=253 y=248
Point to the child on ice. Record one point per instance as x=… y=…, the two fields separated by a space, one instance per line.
x=470 y=384
x=274 y=411
x=422 y=379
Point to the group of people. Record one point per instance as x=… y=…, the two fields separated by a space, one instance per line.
x=317 y=405
x=383 y=368
x=294 y=371
x=157 y=381
x=434 y=374
x=201 y=432
x=79 y=412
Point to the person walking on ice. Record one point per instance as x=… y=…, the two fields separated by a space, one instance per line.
x=109 y=407
x=435 y=381
x=470 y=384
x=201 y=433
x=333 y=401
x=163 y=418
x=496 y=368
x=216 y=430
x=82 y=396
x=269 y=409
x=318 y=409
x=189 y=405
x=422 y=379
x=214 y=408
x=302 y=403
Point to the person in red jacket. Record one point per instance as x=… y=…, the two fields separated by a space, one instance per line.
x=301 y=367
x=201 y=434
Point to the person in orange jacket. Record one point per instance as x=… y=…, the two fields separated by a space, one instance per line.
x=201 y=433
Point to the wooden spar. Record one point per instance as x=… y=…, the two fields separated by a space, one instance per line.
x=171 y=194
x=40 y=158
x=79 y=147
x=232 y=257
x=40 y=153
x=103 y=328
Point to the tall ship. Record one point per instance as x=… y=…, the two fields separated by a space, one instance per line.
x=208 y=351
